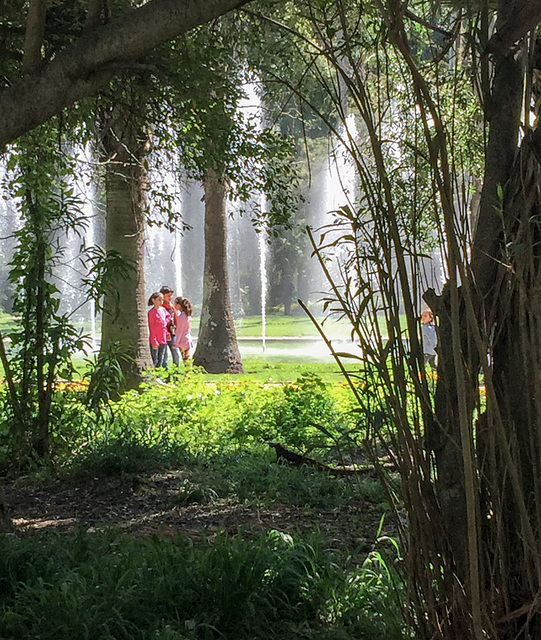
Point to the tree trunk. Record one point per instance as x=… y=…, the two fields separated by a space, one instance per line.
x=443 y=435
x=217 y=348
x=125 y=314
x=516 y=447
x=505 y=288
x=6 y=525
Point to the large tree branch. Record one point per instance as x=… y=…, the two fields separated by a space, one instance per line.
x=525 y=17
x=92 y=60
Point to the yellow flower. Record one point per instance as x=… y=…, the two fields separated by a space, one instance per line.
x=71 y=385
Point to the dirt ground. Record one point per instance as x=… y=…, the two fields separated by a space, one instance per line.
x=154 y=503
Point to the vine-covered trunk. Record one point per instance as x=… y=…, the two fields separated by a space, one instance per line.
x=217 y=348
x=44 y=393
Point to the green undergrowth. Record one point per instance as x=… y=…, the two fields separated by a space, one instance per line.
x=204 y=418
x=254 y=479
x=106 y=586
x=212 y=437
x=226 y=416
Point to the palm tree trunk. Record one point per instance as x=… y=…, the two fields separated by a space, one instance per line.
x=125 y=314
x=217 y=348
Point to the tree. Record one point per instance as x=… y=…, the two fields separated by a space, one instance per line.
x=92 y=59
x=82 y=67
x=38 y=88
x=235 y=156
x=43 y=340
x=468 y=453
x=217 y=348
x=124 y=319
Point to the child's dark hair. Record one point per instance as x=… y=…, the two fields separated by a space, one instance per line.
x=165 y=289
x=185 y=305
x=153 y=297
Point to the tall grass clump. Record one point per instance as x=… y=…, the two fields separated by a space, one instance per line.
x=103 y=586
x=259 y=480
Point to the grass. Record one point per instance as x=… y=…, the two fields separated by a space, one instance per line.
x=313 y=575
x=261 y=368
x=7 y=322
x=278 y=326
x=275 y=370
x=110 y=586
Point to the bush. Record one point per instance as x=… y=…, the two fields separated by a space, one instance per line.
x=221 y=418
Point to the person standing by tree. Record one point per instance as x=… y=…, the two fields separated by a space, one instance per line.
x=429 y=337
x=167 y=293
x=157 y=326
x=183 y=339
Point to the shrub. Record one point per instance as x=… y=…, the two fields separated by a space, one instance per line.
x=221 y=418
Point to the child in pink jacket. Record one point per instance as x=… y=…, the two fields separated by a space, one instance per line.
x=158 y=334
x=183 y=340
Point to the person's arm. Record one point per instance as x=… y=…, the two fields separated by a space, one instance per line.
x=152 y=326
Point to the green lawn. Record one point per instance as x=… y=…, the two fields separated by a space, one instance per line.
x=281 y=371
x=7 y=322
x=278 y=326
x=298 y=326
x=280 y=362
x=251 y=326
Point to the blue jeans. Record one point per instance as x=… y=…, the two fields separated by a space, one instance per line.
x=174 y=353
x=159 y=355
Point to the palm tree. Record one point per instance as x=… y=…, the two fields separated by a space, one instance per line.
x=217 y=348
x=124 y=319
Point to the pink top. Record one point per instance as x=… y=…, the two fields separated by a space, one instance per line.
x=184 y=336
x=157 y=325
